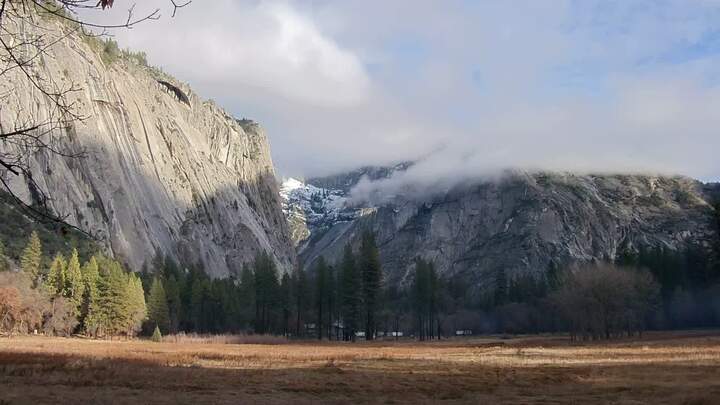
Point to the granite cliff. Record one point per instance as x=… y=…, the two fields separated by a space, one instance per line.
x=164 y=170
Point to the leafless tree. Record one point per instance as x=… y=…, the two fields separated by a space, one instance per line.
x=24 y=41
x=602 y=301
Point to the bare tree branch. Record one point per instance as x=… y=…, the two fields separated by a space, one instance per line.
x=21 y=49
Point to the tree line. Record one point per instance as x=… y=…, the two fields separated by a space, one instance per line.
x=335 y=302
x=643 y=289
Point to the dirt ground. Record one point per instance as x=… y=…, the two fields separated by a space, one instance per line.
x=661 y=368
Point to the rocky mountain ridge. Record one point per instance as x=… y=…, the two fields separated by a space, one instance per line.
x=523 y=223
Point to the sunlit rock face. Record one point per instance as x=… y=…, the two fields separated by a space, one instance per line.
x=162 y=172
x=522 y=222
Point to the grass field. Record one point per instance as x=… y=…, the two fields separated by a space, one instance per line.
x=671 y=368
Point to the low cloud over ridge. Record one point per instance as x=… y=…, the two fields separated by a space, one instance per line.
x=477 y=87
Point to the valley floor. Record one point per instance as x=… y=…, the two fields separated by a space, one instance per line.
x=671 y=368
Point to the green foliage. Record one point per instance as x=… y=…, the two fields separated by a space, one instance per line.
x=32 y=258
x=156 y=336
x=110 y=52
x=301 y=290
x=200 y=303
x=74 y=285
x=91 y=278
x=4 y=261
x=118 y=308
x=286 y=301
x=16 y=229
x=266 y=291
x=350 y=293
x=425 y=298
x=157 y=306
x=321 y=293
x=138 y=308
x=372 y=280
x=56 y=276
x=247 y=295
x=172 y=292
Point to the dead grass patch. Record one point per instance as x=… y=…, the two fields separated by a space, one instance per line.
x=659 y=369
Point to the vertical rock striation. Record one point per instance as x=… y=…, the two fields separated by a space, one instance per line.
x=164 y=169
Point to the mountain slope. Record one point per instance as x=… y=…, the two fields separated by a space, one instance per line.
x=164 y=170
x=524 y=222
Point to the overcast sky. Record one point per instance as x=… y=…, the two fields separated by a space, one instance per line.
x=471 y=86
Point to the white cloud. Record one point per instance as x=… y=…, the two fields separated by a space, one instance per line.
x=565 y=85
x=230 y=47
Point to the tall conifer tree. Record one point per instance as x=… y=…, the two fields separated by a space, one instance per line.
x=56 y=275
x=31 y=260
x=158 y=312
x=74 y=284
x=91 y=278
x=320 y=293
x=372 y=279
x=350 y=293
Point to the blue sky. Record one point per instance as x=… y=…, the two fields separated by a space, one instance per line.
x=471 y=86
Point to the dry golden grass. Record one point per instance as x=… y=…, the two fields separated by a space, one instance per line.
x=667 y=368
x=224 y=339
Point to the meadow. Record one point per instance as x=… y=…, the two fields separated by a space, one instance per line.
x=670 y=368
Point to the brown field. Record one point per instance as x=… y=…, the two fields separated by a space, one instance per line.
x=672 y=368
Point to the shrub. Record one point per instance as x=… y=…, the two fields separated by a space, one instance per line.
x=110 y=51
x=156 y=336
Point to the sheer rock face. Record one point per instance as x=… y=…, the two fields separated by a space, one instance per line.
x=160 y=173
x=524 y=222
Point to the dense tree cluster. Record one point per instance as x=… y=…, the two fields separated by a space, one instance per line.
x=333 y=302
x=99 y=298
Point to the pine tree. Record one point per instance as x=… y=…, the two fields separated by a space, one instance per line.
x=158 y=312
x=421 y=293
x=330 y=299
x=300 y=302
x=56 y=275
x=91 y=278
x=501 y=287
x=321 y=270
x=286 y=301
x=350 y=293
x=32 y=258
x=266 y=291
x=247 y=296
x=74 y=285
x=433 y=298
x=172 y=291
x=113 y=308
x=552 y=277
x=138 y=309
x=156 y=336
x=372 y=279
x=199 y=303
x=4 y=261
x=158 y=264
